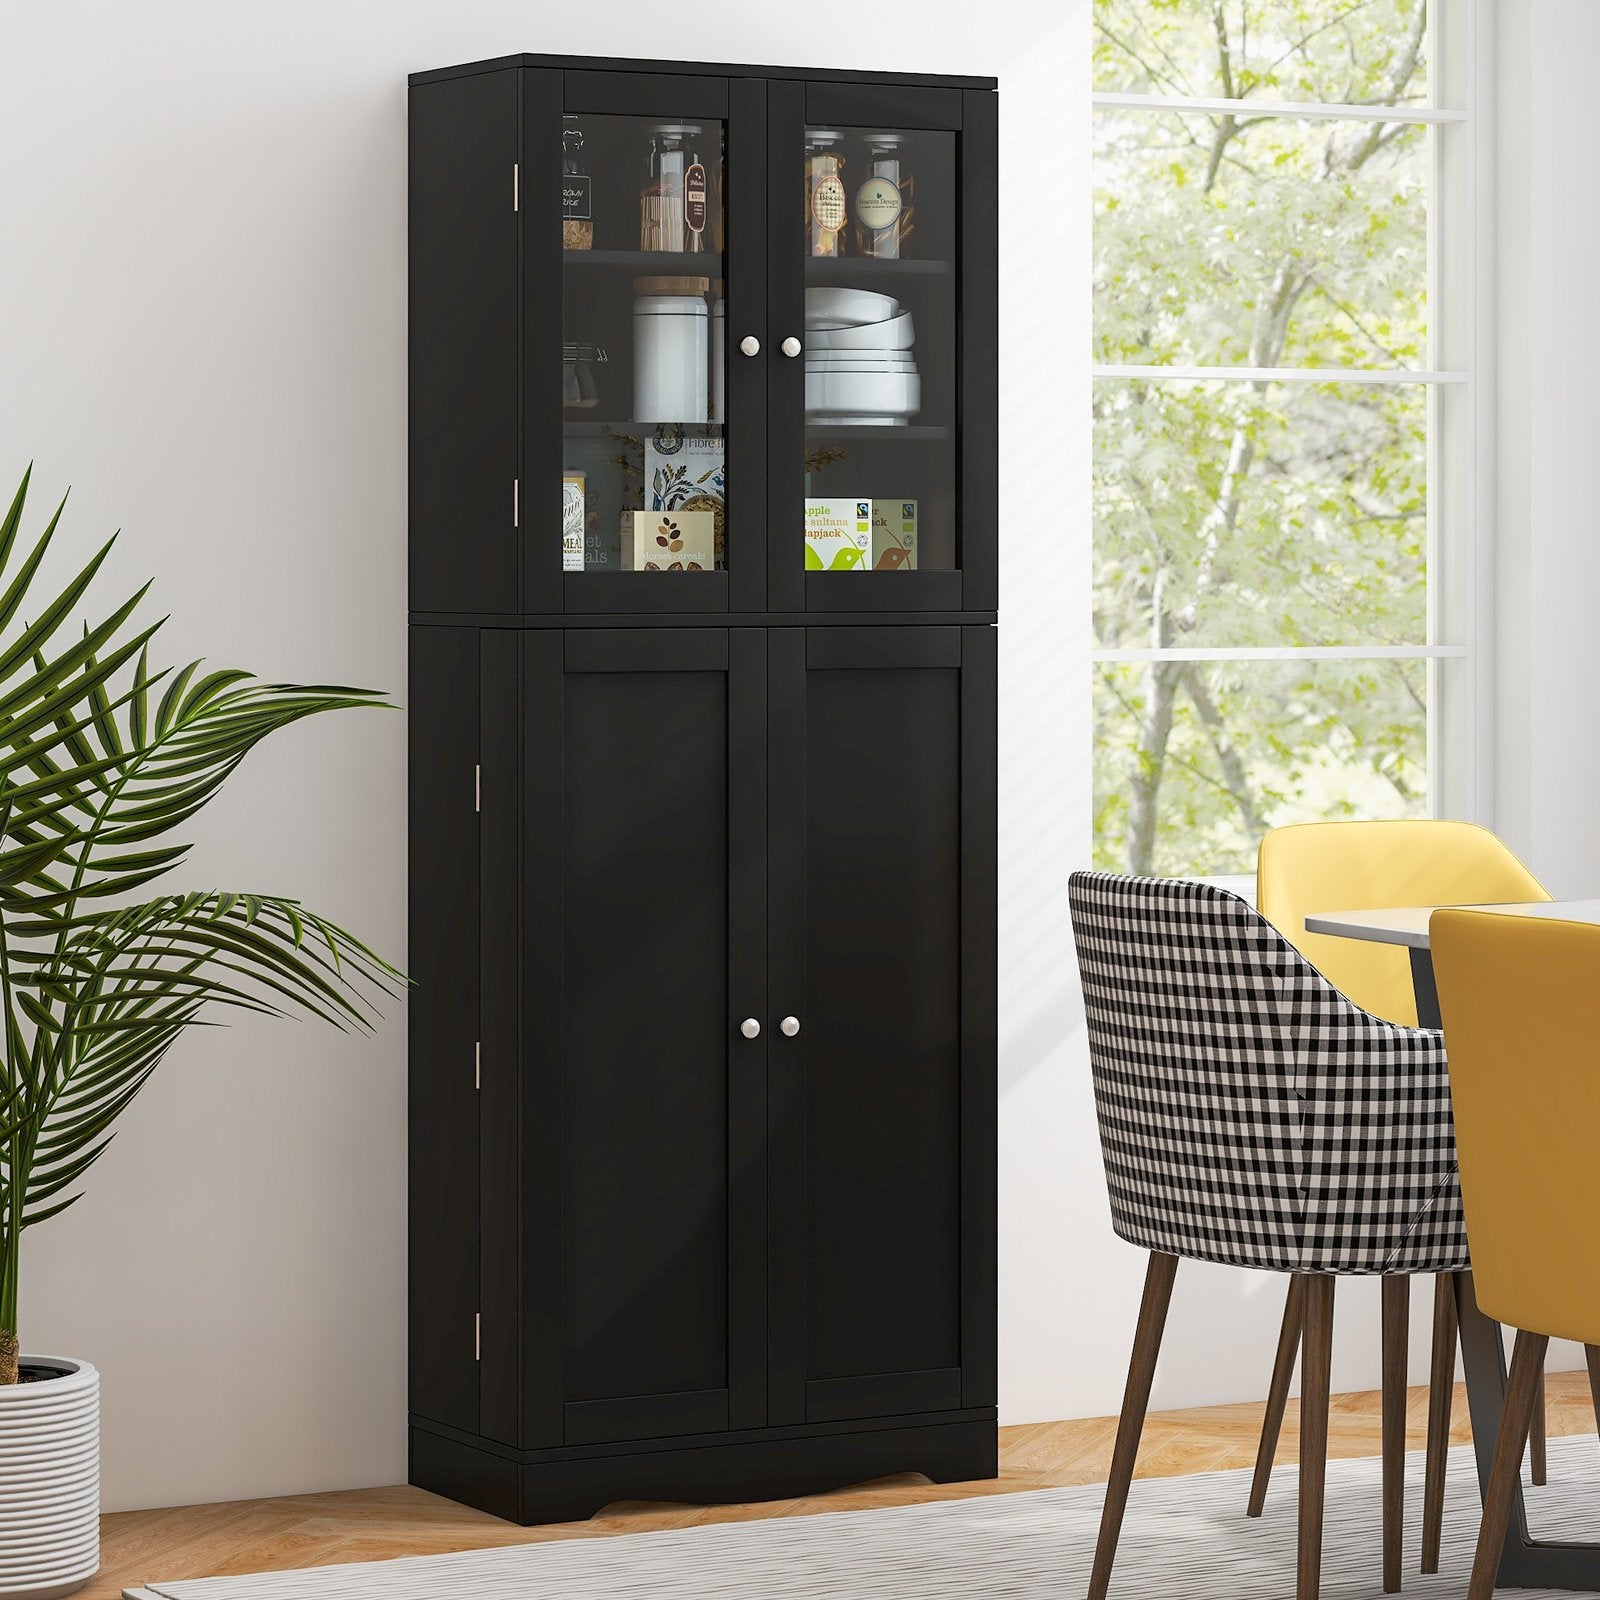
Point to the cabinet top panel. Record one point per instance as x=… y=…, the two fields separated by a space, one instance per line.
x=702 y=69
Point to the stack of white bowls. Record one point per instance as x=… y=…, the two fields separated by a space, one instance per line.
x=859 y=365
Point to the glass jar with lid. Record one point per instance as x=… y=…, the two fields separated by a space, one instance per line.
x=577 y=199
x=673 y=206
x=825 y=195
x=881 y=207
x=671 y=348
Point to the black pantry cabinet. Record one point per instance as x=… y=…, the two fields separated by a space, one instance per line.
x=702 y=789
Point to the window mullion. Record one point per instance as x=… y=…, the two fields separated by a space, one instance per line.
x=1304 y=110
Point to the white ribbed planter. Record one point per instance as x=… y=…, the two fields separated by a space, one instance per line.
x=49 y=1481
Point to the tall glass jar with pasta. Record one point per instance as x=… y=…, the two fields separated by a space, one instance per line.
x=827 y=209
x=673 y=205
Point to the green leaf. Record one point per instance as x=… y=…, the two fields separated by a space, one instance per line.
x=38 y=1013
x=173 y=698
x=33 y=1216
x=11 y=601
x=17 y=866
x=139 y=701
x=104 y=723
x=13 y=518
x=34 y=637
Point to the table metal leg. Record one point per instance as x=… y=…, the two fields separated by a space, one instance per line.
x=1526 y=1563
x=1425 y=990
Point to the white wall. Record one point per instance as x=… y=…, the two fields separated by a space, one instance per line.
x=1547 y=568
x=202 y=321
x=1548 y=510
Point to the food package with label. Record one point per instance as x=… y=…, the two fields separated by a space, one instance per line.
x=572 y=520
x=674 y=541
x=686 y=471
x=894 y=535
x=838 y=535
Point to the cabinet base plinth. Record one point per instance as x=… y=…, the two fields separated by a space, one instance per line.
x=572 y=1488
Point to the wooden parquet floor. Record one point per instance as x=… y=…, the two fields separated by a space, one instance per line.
x=371 y=1524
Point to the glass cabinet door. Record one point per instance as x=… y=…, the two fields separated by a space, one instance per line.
x=880 y=355
x=643 y=340
x=651 y=480
x=874 y=520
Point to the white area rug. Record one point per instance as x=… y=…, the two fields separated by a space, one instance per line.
x=1184 y=1539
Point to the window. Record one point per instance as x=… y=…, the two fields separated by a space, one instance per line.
x=1281 y=533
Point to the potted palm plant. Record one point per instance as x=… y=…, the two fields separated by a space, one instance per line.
x=103 y=759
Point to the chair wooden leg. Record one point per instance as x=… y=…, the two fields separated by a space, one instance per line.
x=1315 y=1380
x=1527 y=1368
x=1441 y=1396
x=1135 y=1401
x=1591 y=1356
x=1536 y=1436
x=1396 y=1329
x=1278 y=1394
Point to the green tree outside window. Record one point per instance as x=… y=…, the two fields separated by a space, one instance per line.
x=1240 y=513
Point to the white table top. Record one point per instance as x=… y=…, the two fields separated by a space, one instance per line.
x=1408 y=925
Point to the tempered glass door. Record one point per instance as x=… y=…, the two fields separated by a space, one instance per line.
x=657 y=404
x=874 y=220
x=880 y=357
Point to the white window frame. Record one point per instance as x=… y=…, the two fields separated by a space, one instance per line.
x=1460 y=432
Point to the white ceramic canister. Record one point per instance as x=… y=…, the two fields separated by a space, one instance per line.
x=719 y=361
x=670 y=358
x=50 y=1481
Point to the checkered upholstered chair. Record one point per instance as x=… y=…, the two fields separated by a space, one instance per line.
x=1418 y=861
x=1251 y=1115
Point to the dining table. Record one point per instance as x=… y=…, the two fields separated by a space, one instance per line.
x=1525 y=1562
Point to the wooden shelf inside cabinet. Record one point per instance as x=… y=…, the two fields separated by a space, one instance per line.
x=577 y=427
x=651 y=263
x=876 y=432
x=828 y=269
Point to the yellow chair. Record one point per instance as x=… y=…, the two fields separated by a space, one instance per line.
x=1521 y=1004
x=1371 y=866
x=1347 y=866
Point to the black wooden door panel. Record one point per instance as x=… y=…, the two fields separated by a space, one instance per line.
x=501 y=1021
x=464 y=319
x=643 y=953
x=645 y=950
x=443 y=1018
x=978 y=413
x=873 y=832
x=883 y=864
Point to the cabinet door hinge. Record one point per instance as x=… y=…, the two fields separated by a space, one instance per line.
x=516 y=185
x=477 y=1064
x=516 y=502
x=477 y=1336
x=477 y=788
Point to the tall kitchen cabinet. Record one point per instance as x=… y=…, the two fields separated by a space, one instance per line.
x=702 y=785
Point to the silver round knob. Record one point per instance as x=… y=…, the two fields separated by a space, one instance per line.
x=791 y=347
x=789 y=1027
x=750 y=1028
x=750 y=345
